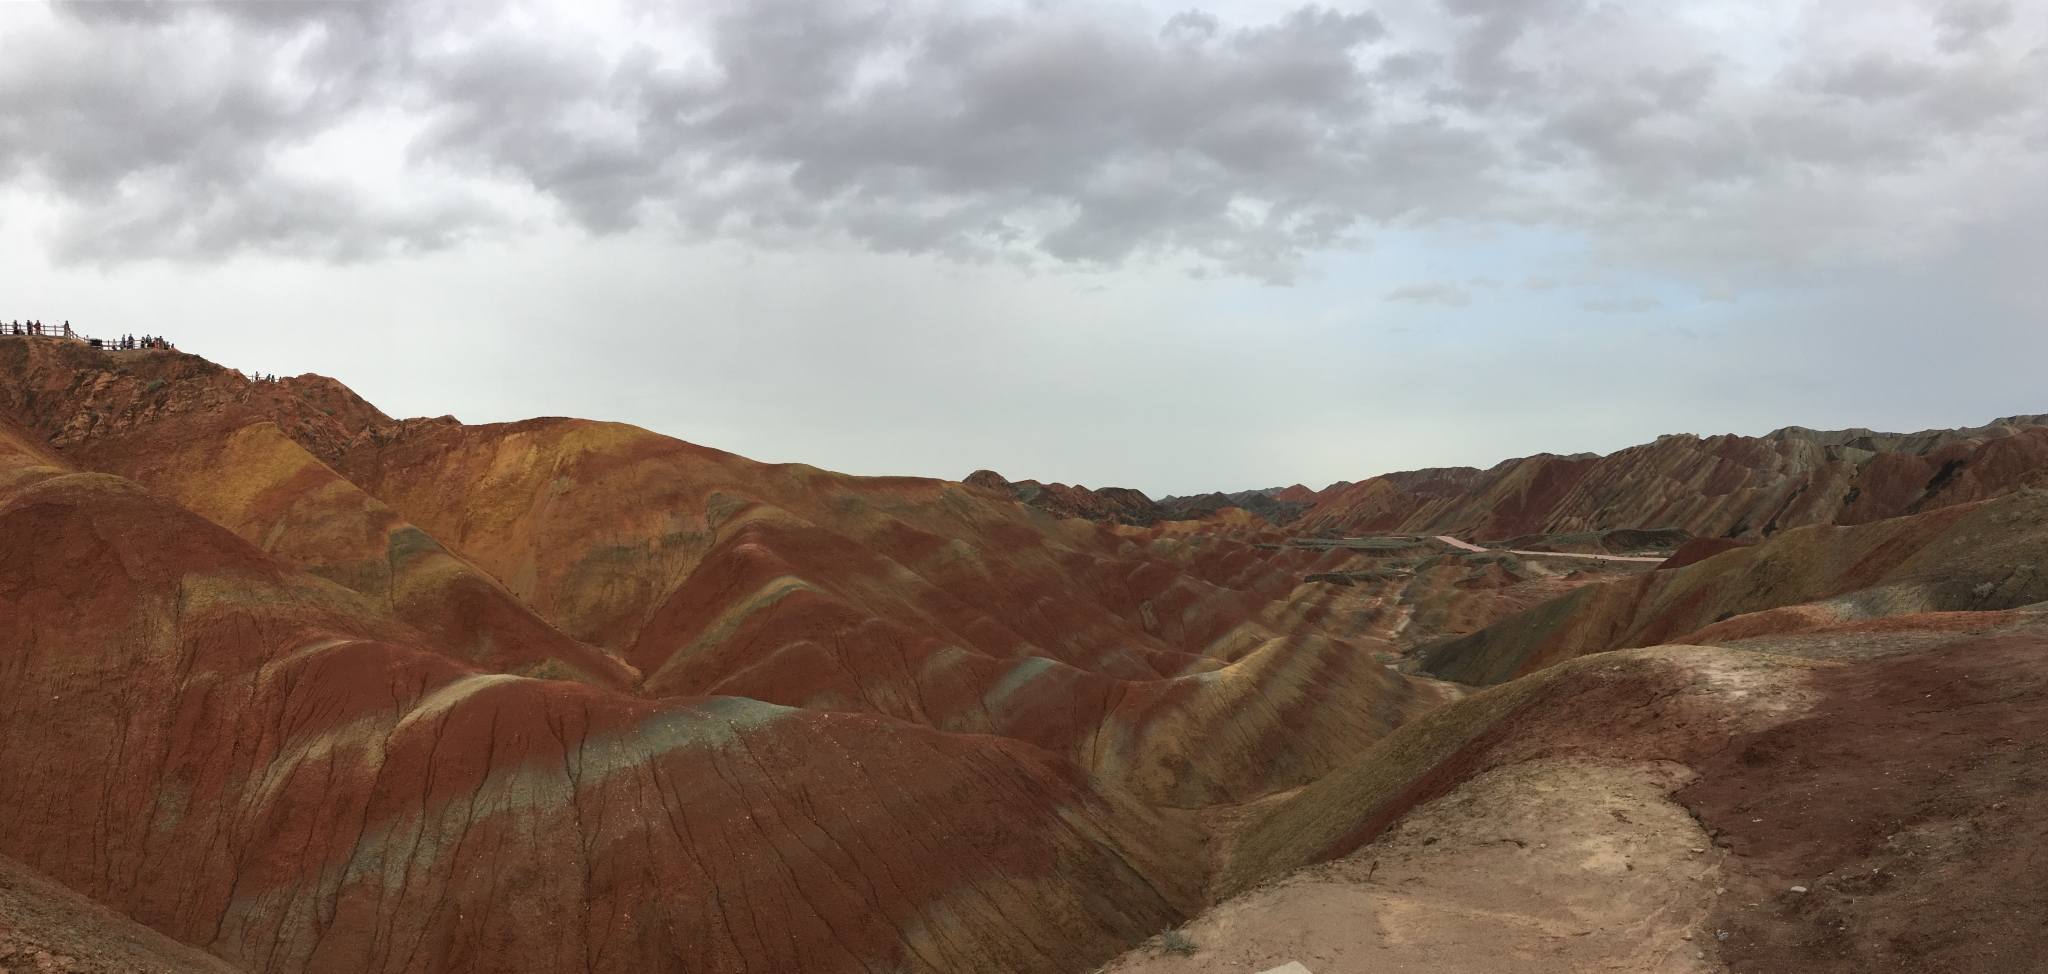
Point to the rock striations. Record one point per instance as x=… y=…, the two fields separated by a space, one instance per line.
x=327 y=691
x=310 y=689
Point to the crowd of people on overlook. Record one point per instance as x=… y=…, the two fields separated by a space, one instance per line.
x=123 y=343
x=126 y=342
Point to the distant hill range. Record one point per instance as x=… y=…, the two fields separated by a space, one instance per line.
x=1740 y=487
x=1124 y=505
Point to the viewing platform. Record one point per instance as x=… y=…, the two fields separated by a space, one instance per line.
x=36 y=329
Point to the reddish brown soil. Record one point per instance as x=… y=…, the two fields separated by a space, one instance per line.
x=1909 y=804
x=47 y=928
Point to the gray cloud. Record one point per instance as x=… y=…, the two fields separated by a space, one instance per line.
x=1963 y=24
x=1043 y=134
x=1434 y=292
x=1619 y=305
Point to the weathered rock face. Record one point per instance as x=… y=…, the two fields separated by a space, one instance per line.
x=263 y=764
x=334 y=692
x=1724 y=486
x=922 y=600
x=242 y=454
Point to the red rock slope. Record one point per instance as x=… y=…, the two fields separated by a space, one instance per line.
x=247 y=455
x=1733 y=486
x=944 y=604
x=318 y=690
x=262 y=763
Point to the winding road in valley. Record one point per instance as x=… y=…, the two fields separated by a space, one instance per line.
x=1463 y=546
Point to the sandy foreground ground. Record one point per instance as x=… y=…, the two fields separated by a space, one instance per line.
x=48 y=929
x=1545 y=866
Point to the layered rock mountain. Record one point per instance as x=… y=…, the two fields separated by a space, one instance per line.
x=1279 y=506
x=334 y=691
x=1739 y=487
x=309 y=688
x=1116 y=505
x=1259 y=502
x=1977 y=557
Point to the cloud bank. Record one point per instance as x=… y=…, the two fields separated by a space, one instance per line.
x=1703 y=135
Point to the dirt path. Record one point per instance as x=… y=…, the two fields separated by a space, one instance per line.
x=1545 y=867
x=1463 y=546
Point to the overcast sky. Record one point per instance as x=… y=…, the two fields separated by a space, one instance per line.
x=1174 y=247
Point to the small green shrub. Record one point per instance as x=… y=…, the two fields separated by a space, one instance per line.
x=1176 y=942
x=154 y=385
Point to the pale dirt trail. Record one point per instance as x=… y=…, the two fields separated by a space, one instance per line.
x=1462 y=546
x=1545 y=867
